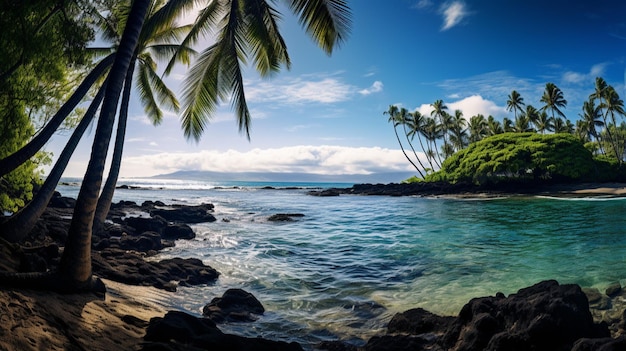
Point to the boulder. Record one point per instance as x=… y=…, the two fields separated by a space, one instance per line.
x=418 y=321
x=236 y=305
x=178 y=231
x=186 y=214
x=142 y=224
x=284 y=217
x=181 y=331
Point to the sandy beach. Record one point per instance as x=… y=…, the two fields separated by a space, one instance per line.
x=35 y=320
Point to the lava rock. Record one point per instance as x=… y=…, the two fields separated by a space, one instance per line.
x=284 y=217
x=236 y=305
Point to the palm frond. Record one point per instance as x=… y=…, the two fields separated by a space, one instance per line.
x=326 y=21
x=144 y=87
x=267 y=46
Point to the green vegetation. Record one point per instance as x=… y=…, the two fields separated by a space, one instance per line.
x=519 y=157
x=538 y=144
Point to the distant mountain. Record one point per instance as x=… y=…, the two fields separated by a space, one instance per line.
x=391 y=177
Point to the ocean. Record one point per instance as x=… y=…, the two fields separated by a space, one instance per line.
x=345 y=268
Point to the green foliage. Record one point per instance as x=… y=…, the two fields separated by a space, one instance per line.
x=519 y=157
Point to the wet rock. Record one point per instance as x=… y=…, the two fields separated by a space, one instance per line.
x=325 y=192
x=144 y=242
x=178 y=231
x=284 y=217
x=236 y=305
x=418 y=321
x=613 y=289
x=186 y=214
x=178 y=329
x=58 y=201
x=602 y=344
x=130 y=268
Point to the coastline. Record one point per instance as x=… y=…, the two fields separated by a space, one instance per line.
x=37 y=320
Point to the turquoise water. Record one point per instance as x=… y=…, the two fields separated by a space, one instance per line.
x=351 y=262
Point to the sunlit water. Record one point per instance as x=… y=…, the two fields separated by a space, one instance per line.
x=351 y=262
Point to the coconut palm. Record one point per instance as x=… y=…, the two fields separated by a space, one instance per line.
x=507 y=125
x=458 y=131
x=413 y=124
x=441 y=116
x=522 y=124
x=158 y=40
x=560 y=125
x=477 y=128
x=592 y=116
x=493 y=126
x=553 y=100
x=398 y=117
x=614 y=106
x=515 y=103
x=248 y=30
x=432 y=132
x=544 y=123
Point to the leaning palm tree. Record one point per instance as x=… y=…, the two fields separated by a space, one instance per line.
x=432 y=133
x=411 y=125
x=158 y=40
x=553 y=100
x=398 y=117
x=415 y=124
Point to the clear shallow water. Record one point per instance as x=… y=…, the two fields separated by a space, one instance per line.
x=345 y=268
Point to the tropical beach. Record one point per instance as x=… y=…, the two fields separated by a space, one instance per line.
x=309 y=273
x=447 y=180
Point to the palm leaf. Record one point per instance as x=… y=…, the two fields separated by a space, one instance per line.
x=326 y=21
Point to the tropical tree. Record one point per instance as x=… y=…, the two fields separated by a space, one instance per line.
x=515 y=103
x=522 y=124
x=544 y=123
x=553 y=100
x=477 y=128
x=414 y=124
x=440 y=114
x=493 y=126
x=432 y=132
x=592 y=117
x=158 y=41
x=614 y=106
x=458 y=131
x=507 y=125
x=398 y=117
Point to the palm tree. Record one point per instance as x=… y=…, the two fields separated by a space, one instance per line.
x=248 y=30
x=414 y=123
x=522 y=124
x=515 y=102
x=458 y=132
x=507 y=125
x=398 y=117
x=157 y=40
x=432 y=132
x=553 y=100
x=440 y=114
x=613 y=105
x=477 y=128
x=544 y=123
x=493 y=126
x=592 y=117
x=560 y=126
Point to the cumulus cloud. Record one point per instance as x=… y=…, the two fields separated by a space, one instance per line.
x=470 y=106
x=325 y=159
x=453 y=13
x=376 y=87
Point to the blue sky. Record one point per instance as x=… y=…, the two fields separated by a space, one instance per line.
x=325 y=115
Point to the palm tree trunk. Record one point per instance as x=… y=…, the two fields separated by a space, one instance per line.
x=75 y=265
x=414 y=153
x=17 y=158
x=21 y=223
x=404 y=152
x=106 y=197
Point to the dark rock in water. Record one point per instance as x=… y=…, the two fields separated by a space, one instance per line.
x=178 y=231
x=325 y=192
x=546 y=316
x=186 y=214
x=181 y=331
x=130 y=268
x=144 y=242
x=284 y=217
x=58 y=201
x=418 y=321
x=235 y=305
x=142 y=224
x=614 y=289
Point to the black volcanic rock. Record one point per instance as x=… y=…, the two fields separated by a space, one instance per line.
x=236 y=305
x=186 y=214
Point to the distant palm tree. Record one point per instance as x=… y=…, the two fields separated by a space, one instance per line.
x=613 y=105
x=522 y=124
x=532 y=116
x=507 y=125
x=397 y=118
x=560 y=125
x=432 y=133
x=440 y=114
x=493 y=126
x=415 y=123
x=515 y=102
x=477 y=128
x=458 y=132
x=553 y=100
x=544 y=123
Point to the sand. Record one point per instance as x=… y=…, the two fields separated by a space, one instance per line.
x=35 y=320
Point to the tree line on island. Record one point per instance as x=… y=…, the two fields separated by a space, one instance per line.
x=535 y=140
x=39 y=95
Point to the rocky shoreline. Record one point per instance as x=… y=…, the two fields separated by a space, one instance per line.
x=546 y=316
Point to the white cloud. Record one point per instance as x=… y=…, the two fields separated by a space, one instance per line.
x=579 y=78
x=453 y=13
x=298 y=91
x=470 y=106
x=323 y=159
x=376 y=87
x=423 y=4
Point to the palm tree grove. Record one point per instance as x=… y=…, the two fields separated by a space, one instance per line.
x=445 y=136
